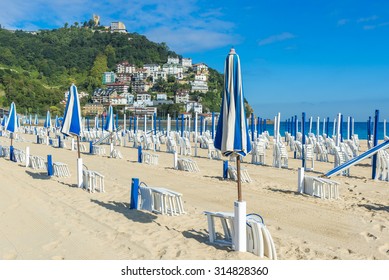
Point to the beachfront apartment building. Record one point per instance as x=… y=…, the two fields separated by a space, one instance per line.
x=193 y=106
x=118 y=26
x=181 y=96
x=173 y=60
x=200 y=68
x=159 y=75
x=123 y=78
x=125 y=67
x=140 y=86
x=161 y=96
x=103 y=96
x=151 y=68
x=119 y=87
x=186 y=63
x=109 y=77
x=173 y=69
x=199 y=85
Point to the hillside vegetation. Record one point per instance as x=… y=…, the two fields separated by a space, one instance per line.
x=36 y=69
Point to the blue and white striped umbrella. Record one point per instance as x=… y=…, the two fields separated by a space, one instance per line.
x=97 y=126
x=57 y=123
x=72 y=117
x=232 y=135
x=12 y=121
x=47 y=123
x=18 y=120
x=4 y=121
x=30 y=120
x=110 y=121
x=36 y=121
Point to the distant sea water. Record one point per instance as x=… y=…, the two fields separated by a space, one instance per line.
x=360 y=128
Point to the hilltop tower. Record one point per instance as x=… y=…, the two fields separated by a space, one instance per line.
x=96 y=19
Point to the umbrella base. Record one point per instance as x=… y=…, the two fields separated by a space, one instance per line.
x=240 y=243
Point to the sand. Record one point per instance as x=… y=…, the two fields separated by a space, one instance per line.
x=46 y=218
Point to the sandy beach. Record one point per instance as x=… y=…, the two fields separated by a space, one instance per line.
x=46 y=218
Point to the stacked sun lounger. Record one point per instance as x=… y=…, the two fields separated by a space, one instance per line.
x=187 y=164
x=149 y=158
x=161 y=200
x=61 y=169
x=259 y=240
x=93 y=181
x=321 y=187
x=244 y=175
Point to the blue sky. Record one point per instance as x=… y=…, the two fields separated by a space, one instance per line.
x=321 y=57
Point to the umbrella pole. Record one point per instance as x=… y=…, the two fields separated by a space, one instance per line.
x=239 y=181
x=78 y=146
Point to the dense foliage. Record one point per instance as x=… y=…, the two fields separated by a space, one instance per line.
x=36 y=69
x=42 y=64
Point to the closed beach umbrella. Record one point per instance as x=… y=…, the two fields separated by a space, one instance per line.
x=4 y=121
x=110 y=125
x=232 y=137
x=36 y=120
x=97 y=126
x=56 y=123
x=12 y=120
x=72 y=125
x=30 y=120
x=47 y=123
x=110 y=121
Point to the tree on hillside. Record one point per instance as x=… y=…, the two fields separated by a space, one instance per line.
x=100 y=65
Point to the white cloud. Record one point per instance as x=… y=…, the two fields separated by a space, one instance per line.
x=276 y=38
x=367 y=19
x=343 y=21
x=178 y=23
x=186 y=39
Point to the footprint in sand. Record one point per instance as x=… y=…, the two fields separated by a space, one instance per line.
x=51 y=246
x=379 y=227
x=384 y=249
x=65 y=233
x=368 y=236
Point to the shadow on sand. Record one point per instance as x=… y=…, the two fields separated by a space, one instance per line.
x=375 y=207
x=124 y=209
x=284 y=191
x=202 y=237
x=39 y=175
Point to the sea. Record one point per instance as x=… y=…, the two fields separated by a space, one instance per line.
x=360 y=128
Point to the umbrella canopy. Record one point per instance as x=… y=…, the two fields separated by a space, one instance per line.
x=110 y=121
x=72 y=117
x=57 y=123
x=97 y=126
x=232 y=135
x=36 y=120
x=12 y=122
x=30 y=120
x=47 y=123
x=4 y=121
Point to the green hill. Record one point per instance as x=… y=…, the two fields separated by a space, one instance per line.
x=37 y=68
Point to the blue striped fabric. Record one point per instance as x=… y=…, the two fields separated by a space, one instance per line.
x=4 y=121
x=47 y=123
x=232 y=135
x=12 y=120
x=97 y=126
x=72 y=117
x=110 y=121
